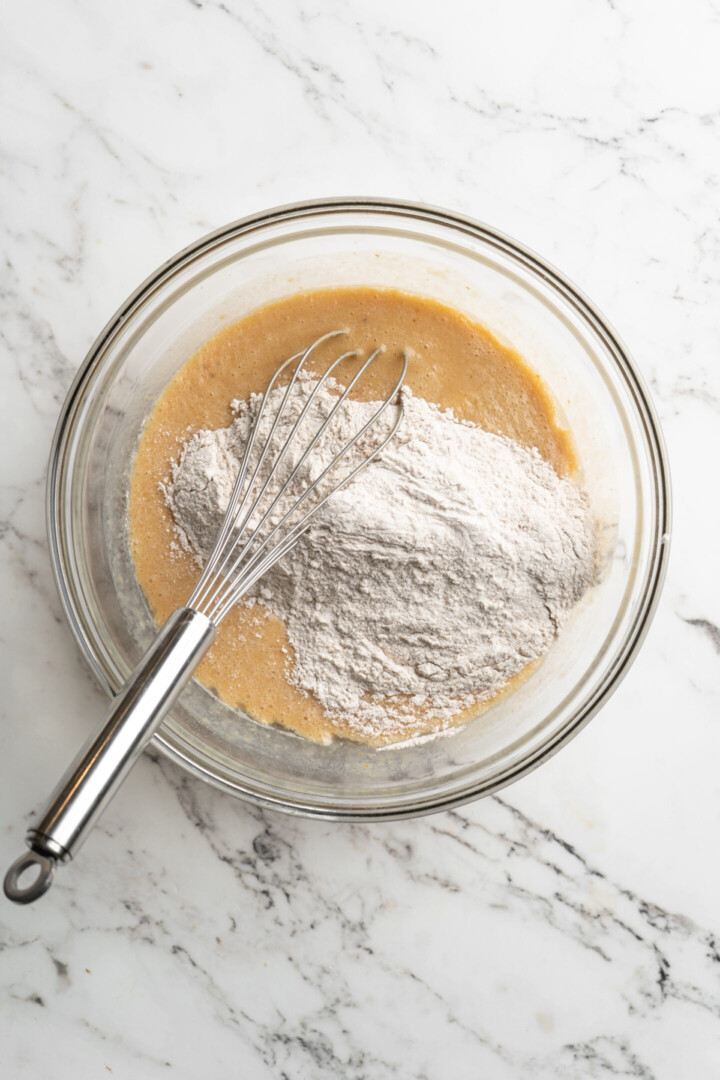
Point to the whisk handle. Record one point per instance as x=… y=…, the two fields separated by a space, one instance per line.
x=111 y=751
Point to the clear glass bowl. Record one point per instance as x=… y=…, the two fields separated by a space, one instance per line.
x=523 y=301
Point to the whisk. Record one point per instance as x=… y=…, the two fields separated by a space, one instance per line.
x=249 y=543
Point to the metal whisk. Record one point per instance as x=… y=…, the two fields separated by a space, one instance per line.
x=248 y=544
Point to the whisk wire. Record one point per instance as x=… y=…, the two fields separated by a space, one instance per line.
x=252 y=573
x=233 y=515
x=286 y=483
x=229 y=572
x=217 y=561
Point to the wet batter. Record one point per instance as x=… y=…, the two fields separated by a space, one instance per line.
x=452 y=361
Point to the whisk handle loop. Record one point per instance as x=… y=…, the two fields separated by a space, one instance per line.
x=104 y=762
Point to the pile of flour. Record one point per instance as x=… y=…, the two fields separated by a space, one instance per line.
x=429 y=581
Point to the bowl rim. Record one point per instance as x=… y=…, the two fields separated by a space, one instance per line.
x=588 y=313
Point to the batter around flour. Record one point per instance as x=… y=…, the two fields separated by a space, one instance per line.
x=453 y=364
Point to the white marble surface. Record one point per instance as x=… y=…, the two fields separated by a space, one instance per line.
x=568 y=929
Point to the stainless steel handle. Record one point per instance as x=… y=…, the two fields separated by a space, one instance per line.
x=111 y=751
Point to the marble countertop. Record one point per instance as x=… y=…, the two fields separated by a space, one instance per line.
x=570 y=927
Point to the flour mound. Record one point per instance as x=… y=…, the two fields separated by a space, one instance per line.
x=427 y=583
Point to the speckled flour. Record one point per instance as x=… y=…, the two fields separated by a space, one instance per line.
x=437 y=575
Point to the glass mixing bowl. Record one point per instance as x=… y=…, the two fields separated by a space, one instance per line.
x=497 y=282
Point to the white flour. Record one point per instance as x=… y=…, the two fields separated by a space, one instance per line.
x=425 y=585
